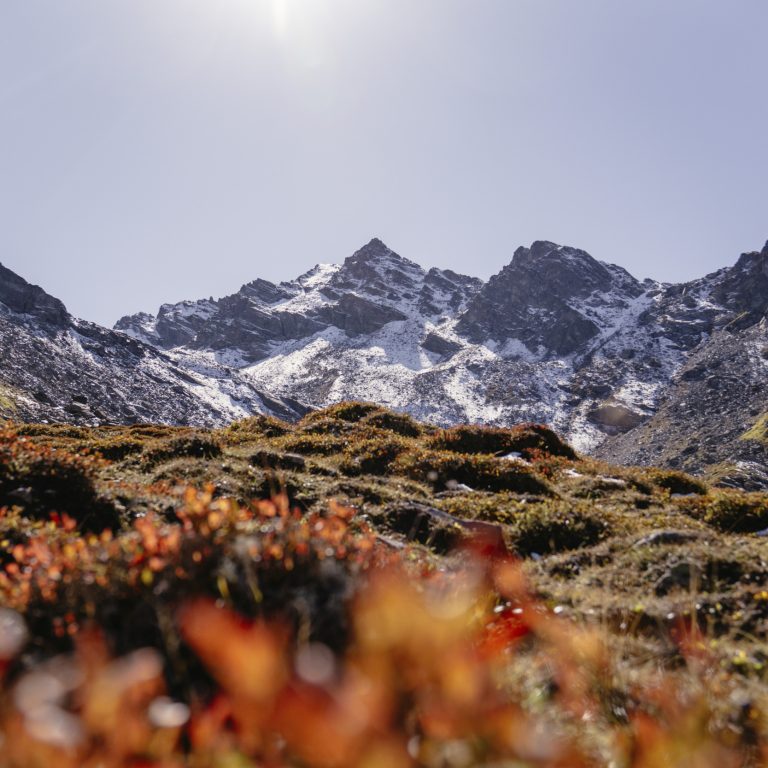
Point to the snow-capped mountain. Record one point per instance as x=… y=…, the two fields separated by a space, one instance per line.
x=556 y=336
x=54 y=367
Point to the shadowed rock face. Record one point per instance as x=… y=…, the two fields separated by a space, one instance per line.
x=356 y=315
x=534 y=299
x=20 y=296
x=744 y=291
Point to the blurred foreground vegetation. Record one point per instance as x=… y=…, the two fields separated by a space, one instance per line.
x=361 y=590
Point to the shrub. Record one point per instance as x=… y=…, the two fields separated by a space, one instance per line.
x=43 y=480
x=336 y=671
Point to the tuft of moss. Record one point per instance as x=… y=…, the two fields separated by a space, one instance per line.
x=254 y=428
x=676 y=482
x=758 y=431
x=158 y=431
x=498 y=507
x=730 y=511
x=444 y=469
x=50 y=430
x=374 y=456
x=399 y=423
x=323 y=426
x=196 y=446
x=530 y=440
x=314 y=444
x=351 y=411
x=556 y=527
x=116 y=448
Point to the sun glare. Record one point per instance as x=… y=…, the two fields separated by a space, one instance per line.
x=280 y=18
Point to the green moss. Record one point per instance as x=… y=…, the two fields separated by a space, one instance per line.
x=555 y=527
x=351 y=411
x=730 y=511
x=313 y=444
x=758 y=431
x=116 y=448
x=7 y=400
x=444 y=469
x=254 y=428
x=530 y=440
x=399 y=423
x=51 y=430
x=676 y=482
x=197 y=445
x=498 y=507
x=159 y=431
x=374 y=456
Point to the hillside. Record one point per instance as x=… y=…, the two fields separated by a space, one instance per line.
x=469 y=596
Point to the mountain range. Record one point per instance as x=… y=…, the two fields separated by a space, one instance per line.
x=636 y=371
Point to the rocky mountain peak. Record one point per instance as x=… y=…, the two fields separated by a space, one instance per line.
x=378 y=273
x=264 y=291
x=375 y=248
x=376 y=260
x=20 y=296
x=557 y=270
x=552 y=298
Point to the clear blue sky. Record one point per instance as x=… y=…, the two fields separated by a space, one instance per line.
x=154 y=150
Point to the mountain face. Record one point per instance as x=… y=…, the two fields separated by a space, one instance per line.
x=57 y=368
x=714 y=413
x=641 y=372
x=554 y=300
x=374 y=287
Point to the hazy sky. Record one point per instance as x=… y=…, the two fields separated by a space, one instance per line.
x=155 y=150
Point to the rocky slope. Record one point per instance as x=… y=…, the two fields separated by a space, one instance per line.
x=58 y=368
x=715 y=411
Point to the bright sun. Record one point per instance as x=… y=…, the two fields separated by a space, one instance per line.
x=280 y=17
x=301 y=27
